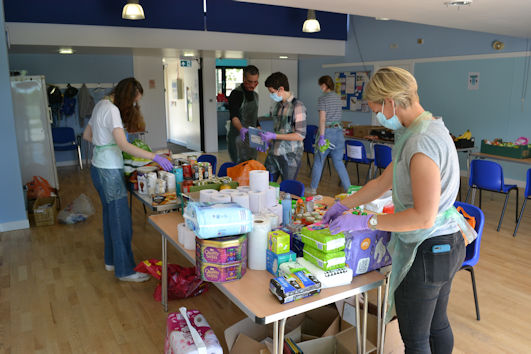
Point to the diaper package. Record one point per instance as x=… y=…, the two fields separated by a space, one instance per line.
x=214 y=220
x=367 y=250
x=325 y=261
x=178 y=337
x=319 y=237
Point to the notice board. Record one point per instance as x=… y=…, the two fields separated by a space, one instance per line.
x=349 y=87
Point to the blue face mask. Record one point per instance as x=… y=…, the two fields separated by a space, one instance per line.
x=274 y=97
x=392 y=123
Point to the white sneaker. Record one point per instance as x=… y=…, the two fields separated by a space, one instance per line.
x=136 y=277
x=109 y=268
x=310 y=192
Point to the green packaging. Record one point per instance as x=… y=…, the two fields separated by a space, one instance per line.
x=278 y=242
x=325 y=261
x=353 y=189
x=319 y=237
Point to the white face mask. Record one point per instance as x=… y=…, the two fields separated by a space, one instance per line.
x=392 y=123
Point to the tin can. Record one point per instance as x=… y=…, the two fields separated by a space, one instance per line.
x=200 y=174
x=187 y=171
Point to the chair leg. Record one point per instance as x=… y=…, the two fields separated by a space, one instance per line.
x=480 y=194
x=468 y=194
x=308 y=161
x=503 y=211
x=358 y=172
x=368 y=173
x=516 y=210
x=520 y=218
x=473 y=278
x=328 y=161
x=460 y=190
x=79 y=157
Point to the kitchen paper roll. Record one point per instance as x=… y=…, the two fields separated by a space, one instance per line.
x=205 y=195
x=271 y=197
x=181 y=232
x=241 y=198
x=244 y=189
x=256 y=200
x=189 y=240
x=277 y=209
x=259 y=180
x=170 y=182
x=257 y=243
x=272 y=218
x=220 y=198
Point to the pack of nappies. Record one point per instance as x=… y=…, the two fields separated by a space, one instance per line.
x=325 y=261
x=209 y=220
x=367 y=250
x=319 y=237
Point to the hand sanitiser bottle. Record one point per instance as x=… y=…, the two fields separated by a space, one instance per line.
x=286 y=209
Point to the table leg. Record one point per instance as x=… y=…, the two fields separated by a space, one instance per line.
x=164 y=293
x=275 y=337
x=358 y=323
x=365 y=311
x=386 y=295
x=379 y=314
x=281 y=336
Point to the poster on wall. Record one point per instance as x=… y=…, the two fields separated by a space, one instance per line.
x=349 y=86
x=473 y=81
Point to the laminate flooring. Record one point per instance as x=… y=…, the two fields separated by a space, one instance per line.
x=56 y=297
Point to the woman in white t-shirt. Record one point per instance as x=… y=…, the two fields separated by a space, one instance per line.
x=105 y=131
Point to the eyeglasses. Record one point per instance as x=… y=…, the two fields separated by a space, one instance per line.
x=251 y=82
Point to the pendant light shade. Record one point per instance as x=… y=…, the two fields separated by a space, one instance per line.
x=311 y=24
x=133 y=11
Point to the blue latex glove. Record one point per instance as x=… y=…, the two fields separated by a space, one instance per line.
x=243 y=132
x=322 y=141
x=349 y=222
x=163 y=162
x=267 y=136
x=332 y=213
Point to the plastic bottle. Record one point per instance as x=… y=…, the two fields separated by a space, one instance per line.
x=286 y=209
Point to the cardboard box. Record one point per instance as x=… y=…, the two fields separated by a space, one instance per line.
x=361 y=131
x=278 y=242
x=516 y=151
x=273 y=261
x=44 y=211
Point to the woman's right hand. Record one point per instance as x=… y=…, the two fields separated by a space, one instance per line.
x=163 y=162
x=335 y=211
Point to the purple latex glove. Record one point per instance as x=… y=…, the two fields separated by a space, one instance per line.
x=243 y=132
x=349 y=222
x=164 y=163
x=335 y=211
x=262 y=148
x=322 y=141
x=267 y=136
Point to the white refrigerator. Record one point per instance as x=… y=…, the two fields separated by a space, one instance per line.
x=33 y=129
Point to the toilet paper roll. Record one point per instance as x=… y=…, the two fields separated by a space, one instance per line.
x=277 y=209
x=220 y=198
x=228 y=191
x=272 y=218
x=170 y=182
x=181 y=232
x=271 y=197
x=256 y=200
x=189 y=241
x=257 y=243
x=244 y=189
x=241 y=198
x=259 y=180
x=205 y=195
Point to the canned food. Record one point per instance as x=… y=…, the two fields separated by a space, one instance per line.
x=187 y=171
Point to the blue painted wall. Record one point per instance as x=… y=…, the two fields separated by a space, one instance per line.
x=12 y=208
x=495 y=110
x=62 y=69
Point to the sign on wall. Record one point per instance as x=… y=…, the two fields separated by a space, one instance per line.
x=349 y=87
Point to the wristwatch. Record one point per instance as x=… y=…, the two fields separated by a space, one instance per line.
x=373 y=222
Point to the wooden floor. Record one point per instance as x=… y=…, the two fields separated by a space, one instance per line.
x=56 y=297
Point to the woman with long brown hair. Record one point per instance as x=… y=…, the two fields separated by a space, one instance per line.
x=106 y=131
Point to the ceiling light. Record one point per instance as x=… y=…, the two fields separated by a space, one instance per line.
x=66 y=51
x=283 y=57
x=311 y=24
x=382 y=18
x=458 y=3
x=188 y=54
x=133 y=11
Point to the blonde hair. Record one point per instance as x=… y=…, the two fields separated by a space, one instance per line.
x=392 y=82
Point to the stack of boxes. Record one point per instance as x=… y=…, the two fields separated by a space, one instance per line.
x=278 y=251
x=322 y=248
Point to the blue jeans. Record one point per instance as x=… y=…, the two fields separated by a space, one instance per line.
x=117 y=226
x=335 y=136
x=422 y=297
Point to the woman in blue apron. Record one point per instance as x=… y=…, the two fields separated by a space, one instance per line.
x=428 y=235
x=106 y=131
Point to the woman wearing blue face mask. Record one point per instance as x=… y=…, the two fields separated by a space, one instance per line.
x=426 y=245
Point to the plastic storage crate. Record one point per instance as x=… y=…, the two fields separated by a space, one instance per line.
x=516 y=151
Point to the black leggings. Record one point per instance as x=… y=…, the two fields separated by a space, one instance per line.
x=422 y=297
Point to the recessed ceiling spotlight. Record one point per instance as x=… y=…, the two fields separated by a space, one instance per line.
x=458 y=3
x=66 y=51
x=283 y=57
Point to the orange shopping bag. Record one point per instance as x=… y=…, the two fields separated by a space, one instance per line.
x=470 y=219
x=39 y=188
x=240 y=173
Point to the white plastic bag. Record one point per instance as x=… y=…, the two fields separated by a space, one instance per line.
x=79 y=210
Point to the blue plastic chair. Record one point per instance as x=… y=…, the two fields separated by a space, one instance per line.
x=472 y=250
x=309 y=142
x=488 y=175
x=293 y=187
x=64 y=139
x=223 y=168
x=364 y=160
x=209 y=158
x=383 y=155
x=526 y=197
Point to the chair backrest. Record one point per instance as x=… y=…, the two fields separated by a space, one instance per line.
x=363 y=151
x=486 y=174
x=293 y=187
x=309 y=140
x=223 y=168
x=63 y=135
x=383 y=155
x=528 y=185
x=472 y=250
x=209 y=158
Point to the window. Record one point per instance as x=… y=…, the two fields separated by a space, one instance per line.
x=227 y=79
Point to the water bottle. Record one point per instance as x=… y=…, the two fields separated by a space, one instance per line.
x=286 y=209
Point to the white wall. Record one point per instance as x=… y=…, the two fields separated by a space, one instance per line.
x=146 y=69
x=266 y=68
x=209 y=104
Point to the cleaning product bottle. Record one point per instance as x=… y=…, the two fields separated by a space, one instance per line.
x=286 y=209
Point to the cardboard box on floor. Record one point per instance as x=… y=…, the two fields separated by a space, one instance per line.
x=247 y=337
